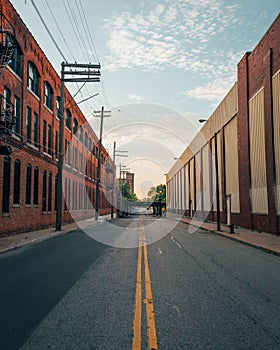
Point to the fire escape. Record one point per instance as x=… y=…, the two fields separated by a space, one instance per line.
x=7 y=46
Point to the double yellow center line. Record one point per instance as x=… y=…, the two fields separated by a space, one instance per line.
x=151 y=325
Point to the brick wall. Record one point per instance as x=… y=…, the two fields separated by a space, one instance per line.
x=43 y=153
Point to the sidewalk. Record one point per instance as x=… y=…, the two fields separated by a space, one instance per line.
x=18 y=240
x=264 y=241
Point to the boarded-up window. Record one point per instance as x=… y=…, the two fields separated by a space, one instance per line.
x=231 y=164
x=257 y=154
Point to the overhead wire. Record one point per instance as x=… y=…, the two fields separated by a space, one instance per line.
x=75 y=30
x=85 y=27
x=47 y=29
x=87 y=44
x=89 y=32
x=91 y=45
x=59 y=29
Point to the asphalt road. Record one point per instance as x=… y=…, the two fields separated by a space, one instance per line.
x=72 y=292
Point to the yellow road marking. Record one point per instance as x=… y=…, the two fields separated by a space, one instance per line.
x=150 y=314
x=151 y=325
x=136 y=344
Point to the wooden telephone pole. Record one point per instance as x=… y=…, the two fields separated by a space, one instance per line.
x=100 y=114
x=70 y=72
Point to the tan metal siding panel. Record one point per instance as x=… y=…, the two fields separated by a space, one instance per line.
x=192 y=182
x=168 y=206
x=187 y=189
x=179 y=190
x=257 y=154
x=223 y=113
x=214 y=172
x=176 y=192
x=219 y=146
x=183 y=188
x=276 y=126
x=206 y=178
x=231 y=164
x=198 y=180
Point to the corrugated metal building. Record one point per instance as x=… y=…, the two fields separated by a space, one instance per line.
x=235 y=157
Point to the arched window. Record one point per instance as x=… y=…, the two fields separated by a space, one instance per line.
x=33 y=78
x=48 y=95
x=68 y=119
x=58 y=107
x=90 y=144
x=44 y=191
x=55 y=193
x=50 y=192
x=16 y=115
x=15 y=62
x=86 y=139
x=28 y=184
x=75 y=127
x=6 y=185
x=17 y=182
x=81 y=134
x=36 y=186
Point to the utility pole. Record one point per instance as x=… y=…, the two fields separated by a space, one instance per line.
x=118 y=153
x=113 y=183
x=99 y=158
x=75 y=73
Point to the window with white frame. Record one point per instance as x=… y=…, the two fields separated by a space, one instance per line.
x=33 y=78
x=48 y=95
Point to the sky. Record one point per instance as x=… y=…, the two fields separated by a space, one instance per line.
x=164 y=65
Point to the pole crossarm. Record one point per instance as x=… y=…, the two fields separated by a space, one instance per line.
x=82 y=80
x=84 y=72
x=100 y=114
x=81 y=72
x=82 y=65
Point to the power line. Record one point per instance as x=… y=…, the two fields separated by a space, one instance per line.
x=84 y=27
x=89 y=33
x=47 y=29
x=60 y=31
x=77 y=32
x=73 y=26
x=73 y=21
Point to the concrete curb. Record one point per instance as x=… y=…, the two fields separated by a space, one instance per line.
x=48 y=235
x=35 y=240
x=236 y=239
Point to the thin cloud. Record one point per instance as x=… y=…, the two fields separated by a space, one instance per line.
x=170 y=35
x=213 y=91
x=135 y=98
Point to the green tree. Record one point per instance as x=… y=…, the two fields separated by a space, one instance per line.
x=158 y=193
x=124 y=189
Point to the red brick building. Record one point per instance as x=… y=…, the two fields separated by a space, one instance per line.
x=237 y=150
x=129 y=177
x=30 y=95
